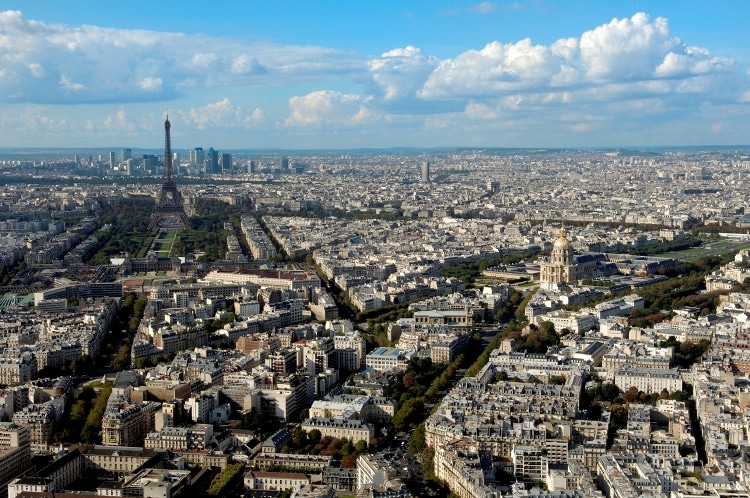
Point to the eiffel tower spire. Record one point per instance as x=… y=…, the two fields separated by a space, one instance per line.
x=170 y=211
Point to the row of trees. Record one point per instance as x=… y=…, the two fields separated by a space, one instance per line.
x=686 y=353
x=667 y=246
x=224 y=480
x=84 y=421
x=468 y=272
x=125 y=327
x=313 y=443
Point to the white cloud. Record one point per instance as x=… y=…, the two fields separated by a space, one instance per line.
x=222 y=114
x=496 y=69
x=67 y=84
x=324 y=107
x=400 y=72
x=120 y=122
x=625 y=48
x=483 y=8
x=625 y=59
x=245 y=64
x=621 y=70
x=255 y=118
x=36 y=70
x=51 y=63
x=151 y=84
x=475 y=111
x=581 y=127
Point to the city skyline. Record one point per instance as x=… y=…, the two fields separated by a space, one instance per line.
x=327 y=76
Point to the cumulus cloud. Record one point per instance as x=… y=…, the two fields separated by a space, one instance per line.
x=222 y=114
x=624 y=67
x=120 y=122
x=476 y=111
x=246 y=64
x=151 y=84
x=630 y=55
x=67 y=84
x=497 y=68
x=52 y=63
x=325 y=107
x=400 y=72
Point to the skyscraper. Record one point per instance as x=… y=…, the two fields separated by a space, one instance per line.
x=226 y=163
x=111 y=160
x=197 y=156
x=126 y=154
x=425 y=172
x=212 y=161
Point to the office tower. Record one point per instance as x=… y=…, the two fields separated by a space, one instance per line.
x=226 y=163
x=251 y=167
x=212 y=161
x=170 y=211
x=284 y=164
x=111 y=160
x=77 y=160
x=197 y=156
x=150 y=163
x=126 y=154
x=425 y=172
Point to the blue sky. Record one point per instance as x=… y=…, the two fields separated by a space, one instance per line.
x=301 y=74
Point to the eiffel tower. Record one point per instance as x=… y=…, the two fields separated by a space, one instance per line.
x=170 y=212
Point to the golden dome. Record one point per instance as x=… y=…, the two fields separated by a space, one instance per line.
x=562 y=241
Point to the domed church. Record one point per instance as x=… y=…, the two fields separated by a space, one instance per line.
x=561 y=267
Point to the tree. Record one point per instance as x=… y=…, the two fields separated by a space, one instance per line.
x=558 y=380
x=417 y=442
x=610 y=391
x=224 y=479
x=347 y=448
x=361 y=446
x=314 y=436
x=349 y=461
x=618 y=416
x=410 y=379
x=630 y=395
x=547 y=327
x=410 y=412
x=680 y=396
x=501 y=376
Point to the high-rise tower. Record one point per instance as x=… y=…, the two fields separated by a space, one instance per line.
x=170 y=211
x=425 y=172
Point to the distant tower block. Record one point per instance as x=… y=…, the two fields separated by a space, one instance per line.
x=170 y=212
x=425 y=172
